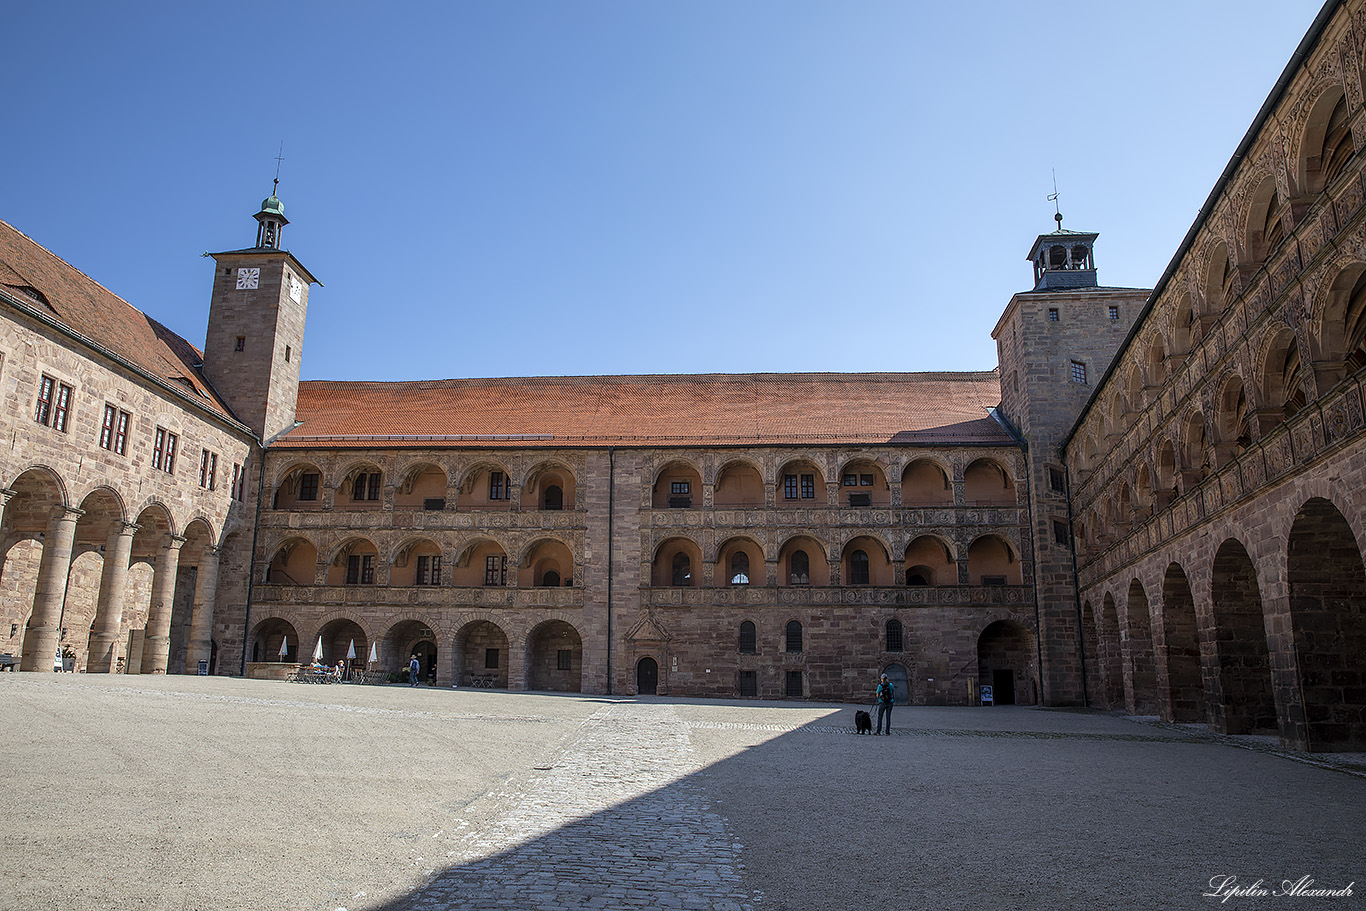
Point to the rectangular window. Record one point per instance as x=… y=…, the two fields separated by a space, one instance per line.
x=114 y=430
x=680 y=488
x=865 y=480
x=495 y=570
x=794 y=684
x=1078 y=372
x=308 y=486
x=491 y=659
x=749 y=684
x=208 y=470
x=43 y=413
x=241 y=343
x=429 y=570
x=239 y=486
x=61 y=407
x=163 y=450
x=1114 y=313
x=1052 y=314
x=790 y=487
x=851 y=480
x=1060 y=535
x=1056 y=480
x=360 y=569
x=496 y=487
x=808 y=487
x=367 y=486
x=564 y=659
x=993 y=580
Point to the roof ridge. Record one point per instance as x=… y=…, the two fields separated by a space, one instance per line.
x=583 y=379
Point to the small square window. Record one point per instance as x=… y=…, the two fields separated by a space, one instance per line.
x=1052 y=314
x=851 y=480
x=1060 y=535
x=1114 y=313
x=865 y=480
x=1078 y=372
x=680 y=488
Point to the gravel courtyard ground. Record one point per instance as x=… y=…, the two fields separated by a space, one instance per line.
x=126 y=792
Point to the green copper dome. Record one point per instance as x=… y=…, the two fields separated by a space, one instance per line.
x=271 y=205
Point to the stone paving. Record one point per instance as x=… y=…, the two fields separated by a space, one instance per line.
x=185 y=793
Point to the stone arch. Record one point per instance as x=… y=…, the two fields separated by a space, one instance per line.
x=817 y=567
x=485 y=483
x=419 y=483
x=1180 y=677
x=739 y=483
x=1143 y=488
x=986 y=482
x=992 y=560
x=1233 y=418
x=1339 y=344
x=1140 y=671
x=874 y=567
x=1185 y=327
x=1155 y=361
x=1111 y=653
x=1263 y=229
x=1134 y=390
x=1166 y=470
x=1195 y=455
x=472 y=566
x=554 y=657
x=482 y=654
x=337 y=634
x=267 y=637
x=869 y=477
x=1241 y=698
x=1325 y=143
x=1281 y=382
x=298 y=486
x=927 y=481
x=1327 y=582
x=929 y=561
x=739 y=556
x=408 y=635
x=294 y=561
x=677 y=484
x=1218 y=281
x=546 y=562
x=677 y=561
x=549 y=485
x=793 y=486
x=339 y=568
x=1006 y=661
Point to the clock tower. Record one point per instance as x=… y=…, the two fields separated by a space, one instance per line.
x=256 y=326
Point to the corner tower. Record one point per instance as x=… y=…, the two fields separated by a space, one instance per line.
x=1053 y=343
x=256 y=326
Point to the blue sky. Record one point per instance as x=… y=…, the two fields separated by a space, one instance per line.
x=535 y=188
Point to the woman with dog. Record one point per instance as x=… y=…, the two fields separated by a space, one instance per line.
x=886 y=695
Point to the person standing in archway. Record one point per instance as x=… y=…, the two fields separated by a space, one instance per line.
x=414 y=667
x=885 y=696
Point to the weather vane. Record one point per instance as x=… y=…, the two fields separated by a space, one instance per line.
x=1053 y=197
x=281 y=157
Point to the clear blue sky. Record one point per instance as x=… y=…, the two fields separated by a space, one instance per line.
x=535 y=188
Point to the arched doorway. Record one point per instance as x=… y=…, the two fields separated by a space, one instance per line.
x=274 y=640
x=403 y=640
x=555 y=658
x=900 y=681
x=1185 y=689
x=647 y=677
x=482 y=656
x=1241 y=697
x=1005 y=662
x=1328 y=615
x=1138 y=653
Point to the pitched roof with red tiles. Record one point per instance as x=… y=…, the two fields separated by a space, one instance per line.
x=701 y=410
x=59 y=291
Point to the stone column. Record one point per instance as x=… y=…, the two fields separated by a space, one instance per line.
x=201 y=621
x=104 y=639
x=44 y=631
x=156 y=642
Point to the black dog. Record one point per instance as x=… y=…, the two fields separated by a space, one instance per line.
x=863 y=722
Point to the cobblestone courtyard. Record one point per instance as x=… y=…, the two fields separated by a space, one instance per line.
x=214 y=793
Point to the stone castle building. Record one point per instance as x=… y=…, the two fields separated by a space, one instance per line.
x=1147 y=505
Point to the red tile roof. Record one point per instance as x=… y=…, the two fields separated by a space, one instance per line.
x=67 y=295
x=709 y=409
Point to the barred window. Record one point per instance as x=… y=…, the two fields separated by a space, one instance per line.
x=1078 y=372
x=794 y=636
x=564 y=659
x=749 y=638
x=800 y=566
x=894 y=643
x=858 y=568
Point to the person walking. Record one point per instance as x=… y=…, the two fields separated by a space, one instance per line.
x=413 y=667
x=886 y=696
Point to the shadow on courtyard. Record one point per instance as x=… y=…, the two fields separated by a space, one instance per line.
x=1026 y=809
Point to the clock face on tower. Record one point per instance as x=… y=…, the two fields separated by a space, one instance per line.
x=296 y=289
x=248 y=279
